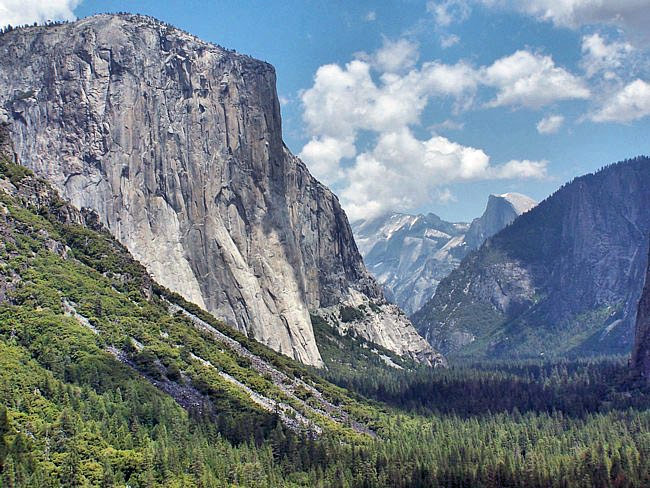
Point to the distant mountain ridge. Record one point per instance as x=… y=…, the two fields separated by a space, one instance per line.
x=564 y=278
x=410 y=254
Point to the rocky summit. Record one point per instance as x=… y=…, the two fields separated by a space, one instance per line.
x=177 y=145
x=564 y=278
x=500 y=211
x=410 y=254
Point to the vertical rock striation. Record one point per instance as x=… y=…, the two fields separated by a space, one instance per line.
x=177 y=145
x=641 y=352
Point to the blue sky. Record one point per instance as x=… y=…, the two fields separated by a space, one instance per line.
x=430 y=106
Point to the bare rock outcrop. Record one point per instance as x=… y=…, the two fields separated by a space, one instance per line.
x=177 y=145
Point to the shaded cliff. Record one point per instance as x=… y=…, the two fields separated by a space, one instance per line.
x=559 y=280
x=641 y=352
x=177 y=145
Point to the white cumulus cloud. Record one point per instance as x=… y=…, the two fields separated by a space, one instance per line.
x=631 y=102
x=531 y=80
x=19 y=12
x=402 y=173
x=346 y=100
x=550 y=124
x=324 y=154
x=516 y=168
x=395 y=56
x=599 y=56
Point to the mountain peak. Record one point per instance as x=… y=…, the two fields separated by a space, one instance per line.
x=520 y=203
x=410 y=254
x=500 y=211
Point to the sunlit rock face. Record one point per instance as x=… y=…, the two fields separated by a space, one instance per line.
x=177 y=145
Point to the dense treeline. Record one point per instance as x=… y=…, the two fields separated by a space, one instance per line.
x=73 y=434
x=574 y=387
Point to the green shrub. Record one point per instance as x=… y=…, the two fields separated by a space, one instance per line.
x=350 y=314
x=147 y=362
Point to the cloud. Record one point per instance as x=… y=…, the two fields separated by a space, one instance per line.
x=516 y=168
x=550 y=124
x=325 y=153
x=449 y=40
x=448 y=79
x=632 y=102
x=20 y=12
x=371 y=16
x=631 y=15
x=531 y=80
x=576 y=13
x=382 y=96
x=602 y=57
x=396 y=56
x=402 y=173
x=446 y=12
x=344 y=100
x=445 y=196
x=448 y=124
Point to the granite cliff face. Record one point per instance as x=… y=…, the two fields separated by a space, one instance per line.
x=563 y=278
x=501 y=210
x=641 y=351
x=177 y=145
x=410 y=254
